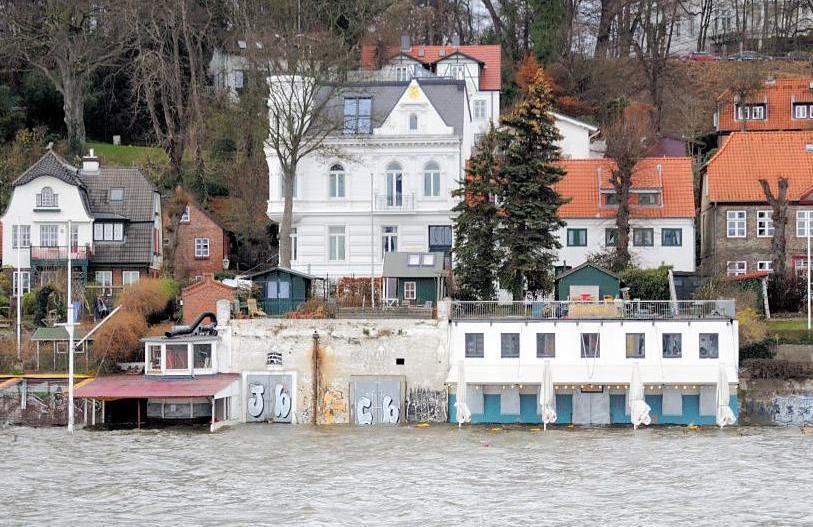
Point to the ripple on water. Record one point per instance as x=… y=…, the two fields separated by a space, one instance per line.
x=441 y=475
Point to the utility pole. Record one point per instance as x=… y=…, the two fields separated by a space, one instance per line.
x=70 y=327
x=372 y=245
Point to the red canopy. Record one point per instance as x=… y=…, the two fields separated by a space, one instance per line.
x=147 y=386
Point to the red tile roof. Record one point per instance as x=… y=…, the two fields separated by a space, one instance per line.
x=581 y=184
x=733 y=173
x=141 y=386
x=779 y=94
x=489 y=55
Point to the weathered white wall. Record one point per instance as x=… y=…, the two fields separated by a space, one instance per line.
x=346 y=347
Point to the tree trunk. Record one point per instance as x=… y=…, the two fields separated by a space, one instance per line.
x=779 y=208
x=73 y=104
x=288 y=178
x=604 y=24
x=622 y=181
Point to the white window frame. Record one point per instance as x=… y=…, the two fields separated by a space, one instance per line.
x=186 y=215
x=736 y=267
x=402 y=73
x=112 y=189
x=765 y=228
x=431 y=180
x=53 y=235
x=480 y=109
x=104 y=279
x=108 y=232
x=765 y=265
x=800 y=114
x=410 y=290
x=389 y=239
x=20 y=236
x=337 y=239
x=337 y=182
x=803 y=219
x=736 y=221
x=130 y=277
x=25 y=276
x=202 y=248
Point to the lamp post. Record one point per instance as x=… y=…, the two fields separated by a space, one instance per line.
x=807 y=229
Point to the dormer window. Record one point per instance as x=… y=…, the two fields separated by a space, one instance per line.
x=117 y=194
x=750 y=112
x=108 y=232
x=610 y=199
x=649 y=199
x=802 y=110
x=47 y=198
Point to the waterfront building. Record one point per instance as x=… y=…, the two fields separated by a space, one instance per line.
x=684 y=354
x=662 y=212
x=115 y=216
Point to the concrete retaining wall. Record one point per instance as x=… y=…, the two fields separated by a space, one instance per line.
x=776 y=402
x=413 y=349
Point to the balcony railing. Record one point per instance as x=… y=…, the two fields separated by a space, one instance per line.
x=42 y=253
x=609 y=310
x=394 y=202
x=47 y=201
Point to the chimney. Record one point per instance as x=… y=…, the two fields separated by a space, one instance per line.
x=90 y=163
x=405 y=42
x=456 y=40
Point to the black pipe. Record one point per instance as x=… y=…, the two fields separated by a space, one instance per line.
x=186 y=330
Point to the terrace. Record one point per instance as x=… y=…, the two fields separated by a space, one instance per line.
x=590 y=310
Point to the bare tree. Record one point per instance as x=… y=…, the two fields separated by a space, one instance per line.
x=744 y=81
x=779 y=211
x=305 y=65
x=173 y=40
x=67 y=41
x=628 y=140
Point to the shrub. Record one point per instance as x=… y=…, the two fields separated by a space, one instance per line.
x=756 y=350
x=313 y=308
x=647 y=284
x=119 y=339
x=786 y=293
x=148 y=297
x=777 y=369
x=29 y=303
x=753 y=329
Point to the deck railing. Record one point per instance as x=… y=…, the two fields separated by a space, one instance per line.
x=78 y=252
x=608 y=310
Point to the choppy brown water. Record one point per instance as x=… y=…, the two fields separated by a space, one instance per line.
x=298 y=475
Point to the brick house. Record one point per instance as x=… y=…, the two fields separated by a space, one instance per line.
x=203 y=295
x=781 y=104
x=202 y=243
x=735 y=219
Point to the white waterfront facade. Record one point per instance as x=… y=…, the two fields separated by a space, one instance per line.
x=592 y=349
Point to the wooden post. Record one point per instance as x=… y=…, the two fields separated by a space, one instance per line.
x=138 y=414
x=315 y=372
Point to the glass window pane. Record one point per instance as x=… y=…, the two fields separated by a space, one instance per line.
x=108 y=231
x=545 y=345
x=118 y=231
x=590 y=346
x=672 y=345
x=509 y=348
x=709 y=346
x=635 y=346
x=177 y=357
x=474 y=345
x=202 y=355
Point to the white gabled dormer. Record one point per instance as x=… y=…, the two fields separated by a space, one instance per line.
x=414 y=114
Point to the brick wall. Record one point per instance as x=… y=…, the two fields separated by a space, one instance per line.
x=718 y=248
x=200 y=225
x=203 y=296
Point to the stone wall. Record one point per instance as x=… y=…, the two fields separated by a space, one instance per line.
x=776 y=402
x=413 y=349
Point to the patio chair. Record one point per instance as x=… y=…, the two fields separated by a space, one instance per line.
x=253 y=309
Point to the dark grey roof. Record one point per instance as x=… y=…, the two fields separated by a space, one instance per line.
x=396 y=265
x=582 y=266
x=255 y=274
x=446 y=95
x=137 y=204
x=136 y=248
x=50 y=164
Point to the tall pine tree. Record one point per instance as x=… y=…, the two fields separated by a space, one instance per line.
x=528 y=213
x=476 y=223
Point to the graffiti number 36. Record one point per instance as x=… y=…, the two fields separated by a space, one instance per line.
x=255 y=404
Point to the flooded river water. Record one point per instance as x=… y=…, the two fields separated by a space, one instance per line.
x=298 y=475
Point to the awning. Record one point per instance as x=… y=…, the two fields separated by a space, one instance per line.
x=146 y=386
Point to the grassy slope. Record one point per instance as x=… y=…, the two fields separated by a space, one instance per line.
x=125 y=156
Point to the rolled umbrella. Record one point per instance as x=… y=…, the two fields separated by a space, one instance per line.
x=725 y=416
x=639 y=410
x=463 y=414
x=547 y=400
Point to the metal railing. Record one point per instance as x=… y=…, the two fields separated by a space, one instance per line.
x=390 y=75
x=395 y=202
x=581 y=310
x=78 y=252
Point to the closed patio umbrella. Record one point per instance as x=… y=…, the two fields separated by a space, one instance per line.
x=463 y=414
x=547 y=401
x=724 y=414
x=639 y=410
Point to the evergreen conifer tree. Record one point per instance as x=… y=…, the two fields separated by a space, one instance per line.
x=476 y=223
x=528 y=205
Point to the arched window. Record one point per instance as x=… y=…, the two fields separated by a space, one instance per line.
x=395 y=185
x=46 y=198
x=336 y=182
x=431 y=180
x=413 y=122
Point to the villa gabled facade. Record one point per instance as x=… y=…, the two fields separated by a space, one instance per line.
x=114 y=214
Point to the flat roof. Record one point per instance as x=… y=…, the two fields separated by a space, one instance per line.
x=180 y=339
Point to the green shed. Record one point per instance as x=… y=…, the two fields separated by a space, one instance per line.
x=282 y=290
x=587 y=282
x=413 y=277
